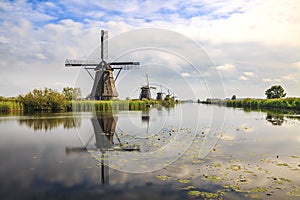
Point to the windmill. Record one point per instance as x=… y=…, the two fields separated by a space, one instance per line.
x=104 y=83
x=145 y=90
x=160 y=94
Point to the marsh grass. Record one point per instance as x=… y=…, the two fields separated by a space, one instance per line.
x=78 y=106
x=82 y=106
x=291 y=103
x=10 y=106
x=282 y=103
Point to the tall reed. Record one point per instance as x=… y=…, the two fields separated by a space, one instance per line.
x=10 y=106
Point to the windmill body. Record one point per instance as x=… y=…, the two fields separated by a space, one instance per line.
x=145 y=90
x=104 y=82
x=159 y=96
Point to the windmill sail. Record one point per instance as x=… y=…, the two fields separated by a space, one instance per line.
x=104 y=84
x=77 y=63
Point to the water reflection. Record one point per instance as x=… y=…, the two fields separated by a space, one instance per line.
x=39 y=166
x=276 y=116
x=104 y=126
x=49 y=122
x=275 y=119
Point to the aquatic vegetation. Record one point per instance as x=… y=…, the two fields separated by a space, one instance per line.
x=184 y=180
x=294 y=156
x=188 y=187
x=259 y=189
x=294 y=193
x=235 y=167
x=213 y=178
x=217 y=165
x=163 y=177
x=208 y=195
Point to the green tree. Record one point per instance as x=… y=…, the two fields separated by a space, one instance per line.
x=276 y=91
x=42 y=100
x=72 y=93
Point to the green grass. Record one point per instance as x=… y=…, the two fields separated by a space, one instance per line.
x=291 y=103
x=116 y=105
x=81 y=106
x=10 y=106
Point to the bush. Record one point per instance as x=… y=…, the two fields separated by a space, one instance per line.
x=43 y=100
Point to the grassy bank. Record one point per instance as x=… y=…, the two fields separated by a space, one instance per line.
x=282 y=103
x=80 y=106
x=10 y=106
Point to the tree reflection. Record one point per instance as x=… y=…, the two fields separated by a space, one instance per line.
x=275 y=119
x=48 y=123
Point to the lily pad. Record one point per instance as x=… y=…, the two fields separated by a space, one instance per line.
x=235 y=167
x=188 y=187
x=213 y=178
x=208 y=195
x=183 y=181
x=217 y=165
x=163 y=177
x=259 y=189
x=294 y=193
x=194 y=193
x=294 y=156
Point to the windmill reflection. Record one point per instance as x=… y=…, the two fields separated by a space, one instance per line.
x=104 y=125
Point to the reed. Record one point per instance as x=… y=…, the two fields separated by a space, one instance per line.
x=115 y=105
x=292 y=103
x=10 y=106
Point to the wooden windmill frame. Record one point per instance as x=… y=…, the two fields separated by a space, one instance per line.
x=104 y=83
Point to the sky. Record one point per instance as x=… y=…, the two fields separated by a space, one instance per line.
x=200 y=48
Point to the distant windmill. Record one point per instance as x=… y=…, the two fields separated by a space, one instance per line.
x=145 y=90
x=104 y=82
x=160 y=94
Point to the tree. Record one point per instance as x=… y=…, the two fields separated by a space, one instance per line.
x=72 y=93
x=43 y=100
x=276 y=91
x=233 y=97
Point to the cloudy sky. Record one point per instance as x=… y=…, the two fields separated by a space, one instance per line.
x=252 y=45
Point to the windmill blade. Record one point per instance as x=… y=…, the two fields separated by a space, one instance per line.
x=78 y=63
x=152 y=87
x=125 y=65
x=104 y=44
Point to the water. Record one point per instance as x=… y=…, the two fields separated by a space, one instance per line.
x=190 y=151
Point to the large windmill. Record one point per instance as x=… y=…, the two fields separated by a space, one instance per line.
x=104 y=83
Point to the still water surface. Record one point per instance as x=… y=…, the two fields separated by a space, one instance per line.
x=190 y=151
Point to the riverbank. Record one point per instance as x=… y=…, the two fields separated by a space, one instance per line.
x=291 y=103
x=82 y=105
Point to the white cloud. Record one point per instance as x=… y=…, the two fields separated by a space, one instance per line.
x=243 y=78
x=249 y=74
x=226 y=67
x=185 y=74
x=268 y=80
x=240 y=32
x=297 y=65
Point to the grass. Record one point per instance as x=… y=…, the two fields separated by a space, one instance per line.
x=79 y=106
x=291 y=103
x=83 y=105
x=10 y=106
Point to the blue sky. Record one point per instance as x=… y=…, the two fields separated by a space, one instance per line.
x=253 y=44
